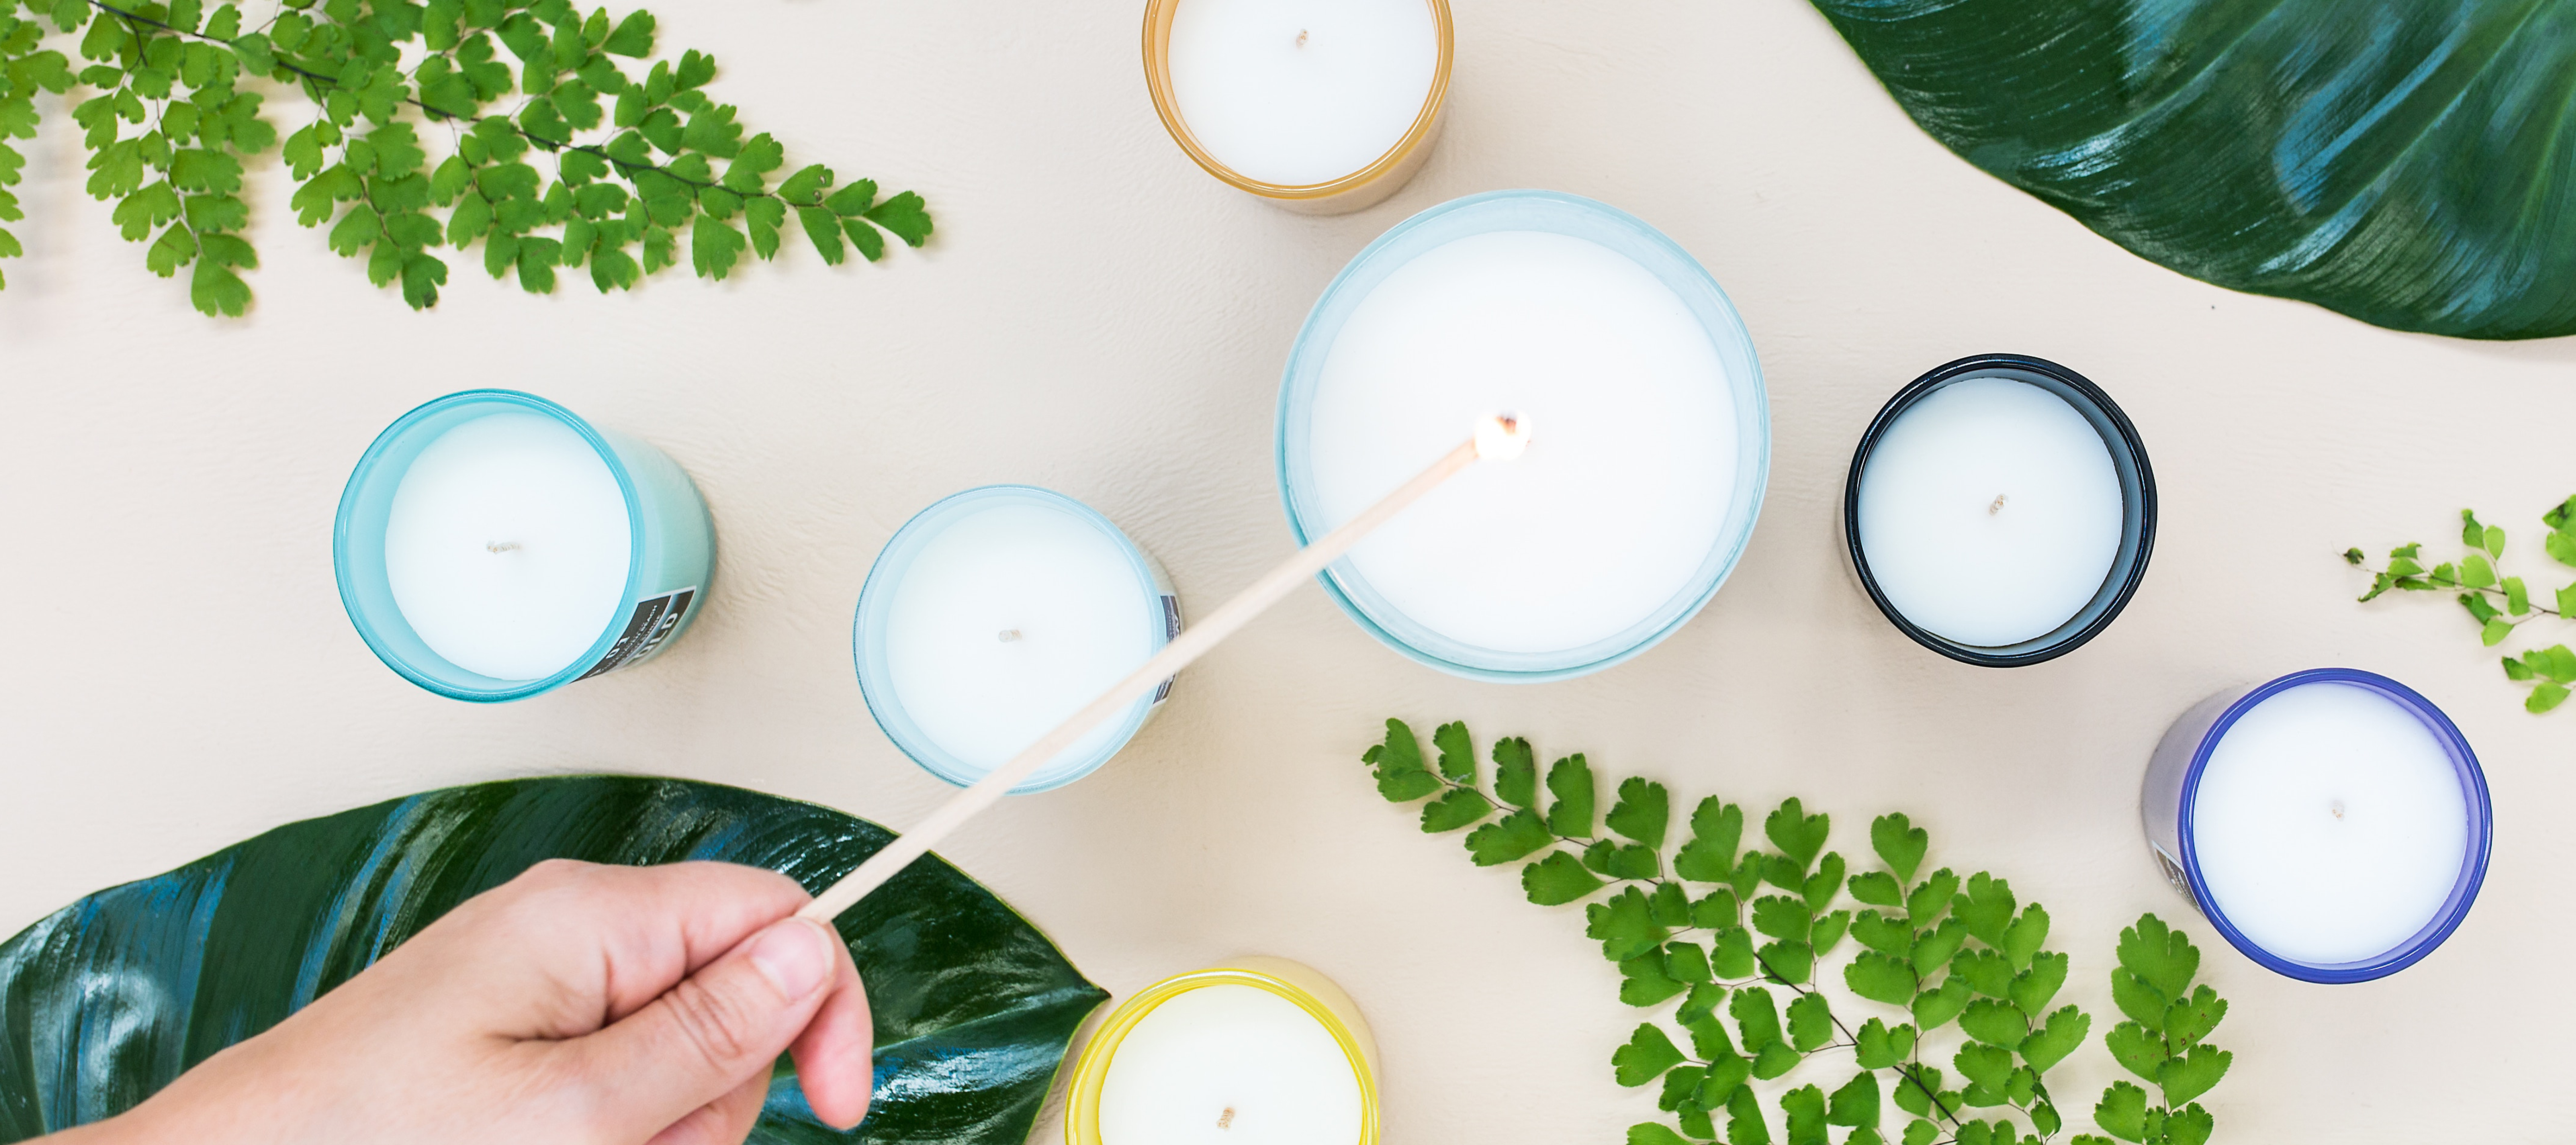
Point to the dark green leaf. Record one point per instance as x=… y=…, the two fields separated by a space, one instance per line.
x=633 y=37
x=1757 y=1018
x=1986 y=1066
x=973 y=1007
x=1726 y=1076
x=2142 y=1002
x=1787 y=962
x=1557 y=879
x=1933 y=947
x=1781 y=917
x=1681 y=1083
x=2516 y=670
x=2288 y=151
x=1883 y=934
x=1704 y=998
x=1686 y=962
x=1647 y=1055
x=1821 y=887
x=905 y=215
x=2189 y=1126
x=1828 y=931
x=1984 y=971
x=1716 y=911
x=1669 y=905
x=1570 y=780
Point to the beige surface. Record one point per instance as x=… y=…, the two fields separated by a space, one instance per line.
x=1099 y=316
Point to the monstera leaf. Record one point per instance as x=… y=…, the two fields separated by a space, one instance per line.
x=108 y=999
x=2411 y=163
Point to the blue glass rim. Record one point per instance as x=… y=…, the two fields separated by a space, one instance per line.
x=2473 y=866
x=2137 y=506
x=1719 y=319
x=887 y=710
x=375 y=630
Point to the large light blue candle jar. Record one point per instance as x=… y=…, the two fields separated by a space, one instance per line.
x=492 y=545
x=1650 y=434
x=996 y=614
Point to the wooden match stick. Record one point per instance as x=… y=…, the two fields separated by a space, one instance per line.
x=1497 y=438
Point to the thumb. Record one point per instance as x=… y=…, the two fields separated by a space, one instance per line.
x=706 y=1036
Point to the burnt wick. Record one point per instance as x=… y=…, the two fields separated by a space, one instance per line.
x=1225 y=1120
x=1997 y=507
x=1009 y=635
x=2337 y=808
x=502 y=546
x=1301 y=42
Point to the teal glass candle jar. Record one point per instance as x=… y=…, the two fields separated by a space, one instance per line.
x=995 y=614
x=492 y=545
x=1650 y=435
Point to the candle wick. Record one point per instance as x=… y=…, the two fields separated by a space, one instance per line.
x=1010 y=634
x=1997 y=507
x=1226 y=1120
x=2338 y=809
x=502 y=546
x=1301 y=42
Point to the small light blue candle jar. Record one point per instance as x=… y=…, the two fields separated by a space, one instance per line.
x=1626 y=258
x=2172 y=808
x=994 y=614
x=671 y=554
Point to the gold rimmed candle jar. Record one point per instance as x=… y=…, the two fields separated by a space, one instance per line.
x=1259 y=1049
x=1319 y=106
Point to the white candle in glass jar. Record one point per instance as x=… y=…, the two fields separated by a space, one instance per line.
x=2330 y=824
x=995 y=615
x=1230 y=1065
x=1990 y=512
x=1301 y=92
x=507 y=545
x=1649 y=437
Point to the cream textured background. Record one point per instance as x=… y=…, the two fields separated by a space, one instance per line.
x=1098 y=316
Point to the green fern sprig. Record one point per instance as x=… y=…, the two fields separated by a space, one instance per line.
x=2499 y=605
x=1934 y=948
x=634 y=158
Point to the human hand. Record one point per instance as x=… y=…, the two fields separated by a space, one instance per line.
x=574 y=1005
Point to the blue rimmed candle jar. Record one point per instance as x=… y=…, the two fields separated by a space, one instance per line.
x=996 y=613
x=2000 y=510
x=2332 y=824
x=1651 y=437
x=492 y=545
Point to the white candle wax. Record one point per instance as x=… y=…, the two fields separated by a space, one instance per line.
x=2329 y=825
x=1300 y=92
x=1006 y=621
x=1990 y=512
x=1229 y=1065
x=1628 y=482
x=507 y=545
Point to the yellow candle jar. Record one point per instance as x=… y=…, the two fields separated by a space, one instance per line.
x=1261 y=1049
x=1319 y=106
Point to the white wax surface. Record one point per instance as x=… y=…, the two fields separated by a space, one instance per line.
x=1229 y=1065
x=2330 y=825
x=1081 y=616
x=1990 y=512
x=1294 y=113
x=507 y=546
x=1632 y=460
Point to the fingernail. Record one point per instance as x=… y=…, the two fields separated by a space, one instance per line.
x=794 y=956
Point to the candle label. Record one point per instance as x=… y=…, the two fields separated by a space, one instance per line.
x=654 y=620
x=2173 y=872
x=1171 y=629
